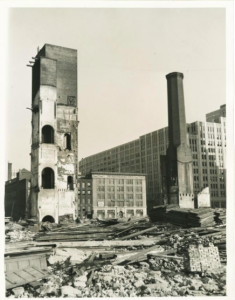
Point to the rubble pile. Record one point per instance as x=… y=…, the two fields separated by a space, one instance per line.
x=15 y=233
x=177 y=216
x=66 y=219
x=19 y=235
x=153 y=277
x=158 y=213
x=128 y=258
x=200 y=217
x=220 y=216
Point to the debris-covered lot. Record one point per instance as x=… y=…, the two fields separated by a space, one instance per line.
x=118 y=258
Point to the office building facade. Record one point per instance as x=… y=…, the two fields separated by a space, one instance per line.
x=207 y=141
x=112 y=195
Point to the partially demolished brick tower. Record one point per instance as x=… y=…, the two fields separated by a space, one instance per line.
x=176 y=165
x=54 y=154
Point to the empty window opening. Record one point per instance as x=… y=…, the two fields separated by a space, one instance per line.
x=120 y=214
x=48 y=219
x=48 y=178
x=70 y=183
x=47 y=134
x=67 y=140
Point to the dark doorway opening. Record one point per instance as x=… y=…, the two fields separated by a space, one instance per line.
x=48 y=219
x=47 y=134
x=48 y=178
x=70 y=183
x=67 y=138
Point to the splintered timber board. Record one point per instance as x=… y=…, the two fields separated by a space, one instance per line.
x=24 y=269
x=21 y=277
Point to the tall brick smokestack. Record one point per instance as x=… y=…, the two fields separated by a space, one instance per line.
x=176 y=109
x=179 y=155
x=9 y=175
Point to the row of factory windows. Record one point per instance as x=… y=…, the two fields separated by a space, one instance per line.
x=135 y=163
x=101 y=214
x=48 y=182
x=84 y=192
x=121 y=203
x=119 y=181
x=84 y=185
x=111 y=196
x=216 y=204
x=125 y=155
x=163 y=137
x=83 y=201
x=119 y=196
x=101 y=188
x=87 y=202
x=213 y=178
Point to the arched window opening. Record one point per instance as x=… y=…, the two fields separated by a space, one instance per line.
x=48 y=219
x=47 y=134
x=70 y=183
x=67 y=140
x=48 y=178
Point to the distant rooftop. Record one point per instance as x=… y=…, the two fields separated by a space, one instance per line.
x=115 y=173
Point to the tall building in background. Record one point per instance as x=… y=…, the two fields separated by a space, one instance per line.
x=207 y=141
x=54 y=150
x=214 y=116
x=17 y=191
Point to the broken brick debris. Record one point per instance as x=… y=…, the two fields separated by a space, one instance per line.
x=200 y=259
x=220 y=216
x=139 y=258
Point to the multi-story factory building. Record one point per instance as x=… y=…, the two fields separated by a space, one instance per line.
x=54 y=149
x=215 y=116
x=111 y=195
x=84 y=201
x=17 y=191
x=207 y=141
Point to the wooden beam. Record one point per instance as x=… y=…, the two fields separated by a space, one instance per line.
x=111 y=243
x=137 y=233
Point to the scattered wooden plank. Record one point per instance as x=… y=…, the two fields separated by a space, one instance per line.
x=111 y=243
x=215 y=234
x=91 y=277
x=137 y=233
x=161 y=256
x=30 y=250
x=92 y=256
x=78 y=232
x=133 y=258
x=126 y=230
x=82 y=237
x=24 y=269
x=173 y=251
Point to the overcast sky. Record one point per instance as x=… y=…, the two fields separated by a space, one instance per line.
x=123 y=57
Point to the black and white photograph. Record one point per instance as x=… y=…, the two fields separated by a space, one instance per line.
x=117 y=175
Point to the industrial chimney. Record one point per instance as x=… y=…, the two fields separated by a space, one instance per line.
x=9 y=175
x=178 y=160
